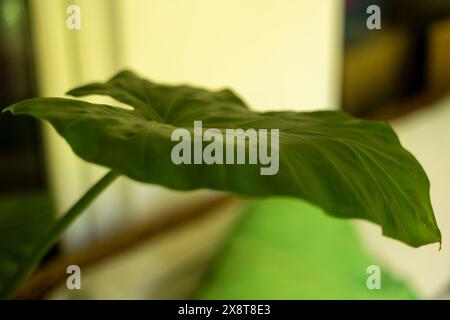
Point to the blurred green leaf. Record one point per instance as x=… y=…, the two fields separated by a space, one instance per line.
x=24 y=220
x=349 y=167
x=287 y=249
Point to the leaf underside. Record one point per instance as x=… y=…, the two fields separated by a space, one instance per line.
x=351 y=168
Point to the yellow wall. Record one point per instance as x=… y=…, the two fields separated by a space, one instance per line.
x=277 y=54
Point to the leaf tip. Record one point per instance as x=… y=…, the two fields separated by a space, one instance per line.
x=9 y=109
x=74 y=92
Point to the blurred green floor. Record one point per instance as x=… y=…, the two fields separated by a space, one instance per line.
x=287 y=249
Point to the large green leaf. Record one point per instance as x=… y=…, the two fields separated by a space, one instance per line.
x=349 y=167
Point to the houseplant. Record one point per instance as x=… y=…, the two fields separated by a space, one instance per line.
x=351 y=168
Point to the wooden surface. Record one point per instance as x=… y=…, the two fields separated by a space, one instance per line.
x=53 y=273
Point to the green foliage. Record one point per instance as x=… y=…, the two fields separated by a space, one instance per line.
x=24 y=219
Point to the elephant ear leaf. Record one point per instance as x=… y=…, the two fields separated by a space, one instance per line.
x=351 y=168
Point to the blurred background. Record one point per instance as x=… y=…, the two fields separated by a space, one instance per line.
x=146 y=242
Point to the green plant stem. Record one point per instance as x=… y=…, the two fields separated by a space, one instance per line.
x=54 y=234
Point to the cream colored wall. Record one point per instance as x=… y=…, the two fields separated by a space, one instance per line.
x=65 y=58
x=276 y=54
